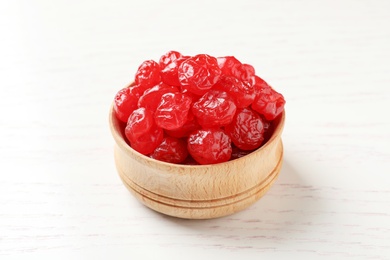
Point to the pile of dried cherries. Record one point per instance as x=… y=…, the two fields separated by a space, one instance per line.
x=197 y=109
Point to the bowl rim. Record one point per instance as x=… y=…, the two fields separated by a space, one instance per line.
x=118 y=137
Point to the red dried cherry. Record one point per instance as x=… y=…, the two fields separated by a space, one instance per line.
x=243 y=93
x=215 y=108
x=268 y=102
x=189 y=126
x=172 y=111
x=246 y=73
x=152 y=97
x=247 y=130
x=169 y=65
x=139 y=123
x=259 y=84
x=149 y=141
x=209 y=146
x=148 y=74
x=199 y=73
x=168 y=58
x=172 y=150
x=230 y=66
x=125 y=103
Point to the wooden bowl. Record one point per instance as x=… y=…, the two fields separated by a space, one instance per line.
x=198 y=191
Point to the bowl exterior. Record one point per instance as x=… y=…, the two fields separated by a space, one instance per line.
x=198 y=191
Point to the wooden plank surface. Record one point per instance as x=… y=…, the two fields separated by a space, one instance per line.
x=61 y=63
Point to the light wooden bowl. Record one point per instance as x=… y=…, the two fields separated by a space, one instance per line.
x=198 y=191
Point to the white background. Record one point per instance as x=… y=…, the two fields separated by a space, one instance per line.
x=61 y=63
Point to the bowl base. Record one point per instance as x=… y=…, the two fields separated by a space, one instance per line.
x=202 y=209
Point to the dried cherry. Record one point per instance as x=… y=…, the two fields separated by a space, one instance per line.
x=189 y=126
x=149 y=141
x=139 y=123
x=197 y=109
x=151 y=97
x=125 y=102
x=268 y=102
x=148 y=74
x=230 y=66
x=215 y=108
x=172 y=150
x=209 y=146
x=242 y=92
x=199 y=73
x=172 y=111
x=247 y=129
x=169 y=64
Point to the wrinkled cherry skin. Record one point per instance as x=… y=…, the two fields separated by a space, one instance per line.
x=259 y=84
x=243 y=93
x=199 y=73
x=172 y=111
x=152 y=96
x=215 y=108
x=268 y=102
x=172 y=150
x=189 y=126
x=246 y=73
x=247 y=129
x=140 y=122
x=149 y=141
x=230 y=66
x=169 y=65
x=209 y=146
x=168 y=58
x=125 y=103
x=148 y=74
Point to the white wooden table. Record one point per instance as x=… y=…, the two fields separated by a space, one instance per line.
x=61 y=63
